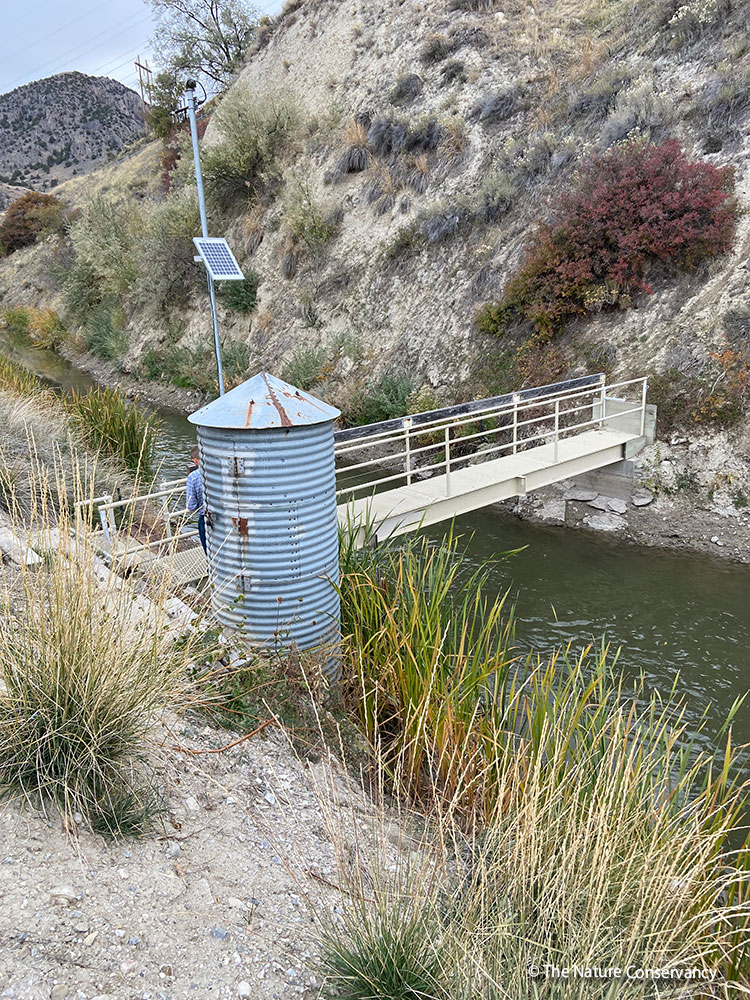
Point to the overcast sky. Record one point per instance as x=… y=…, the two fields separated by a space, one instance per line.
x=100 y=37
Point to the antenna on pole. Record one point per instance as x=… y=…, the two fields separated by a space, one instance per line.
x=205 y=255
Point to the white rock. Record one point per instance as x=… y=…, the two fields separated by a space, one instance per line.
x=642 y=498
x=580 y=494
x=600 y=503
x=616 y=505
x=552 y=512
x=244 y=989
x=63 y=895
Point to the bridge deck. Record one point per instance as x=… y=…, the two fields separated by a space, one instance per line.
x=439 y=498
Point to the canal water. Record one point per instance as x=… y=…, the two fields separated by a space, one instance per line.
x=673 y=615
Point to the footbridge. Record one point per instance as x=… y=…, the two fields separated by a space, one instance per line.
x=398 y=475
x=418 y=470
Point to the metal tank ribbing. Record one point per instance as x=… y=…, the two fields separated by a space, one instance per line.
x=268 y=470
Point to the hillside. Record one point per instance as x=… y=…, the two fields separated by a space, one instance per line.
x=379 y=169
x=64 y=125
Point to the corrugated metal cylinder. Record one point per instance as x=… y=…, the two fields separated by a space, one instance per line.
x=269 y=479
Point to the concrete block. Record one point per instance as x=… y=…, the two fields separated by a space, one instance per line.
x=616 y=480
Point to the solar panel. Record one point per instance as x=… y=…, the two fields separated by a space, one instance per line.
x=218 y=258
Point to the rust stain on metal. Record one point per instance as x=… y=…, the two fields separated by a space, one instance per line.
x=240 y=524
x=249 y=412
x=283 y=415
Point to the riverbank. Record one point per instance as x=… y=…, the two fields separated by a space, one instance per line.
x=677 y=522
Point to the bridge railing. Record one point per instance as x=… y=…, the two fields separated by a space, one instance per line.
x=152 y=514
x=439 y=442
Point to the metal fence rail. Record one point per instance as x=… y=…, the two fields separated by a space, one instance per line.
x=440 y=441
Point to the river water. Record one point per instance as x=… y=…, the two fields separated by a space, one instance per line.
x=671 y=613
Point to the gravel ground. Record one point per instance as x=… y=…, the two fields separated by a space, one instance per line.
x=222 y=902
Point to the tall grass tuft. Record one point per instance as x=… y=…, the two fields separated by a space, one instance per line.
x=116 y=427
x=569 y=817
x=85 y=666
x=612 y=851
x=429 y=653
x=19 y=381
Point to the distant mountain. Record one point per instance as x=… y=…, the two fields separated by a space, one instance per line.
x=64 y=125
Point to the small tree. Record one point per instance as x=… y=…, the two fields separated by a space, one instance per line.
x=166 y=94
x=203 y=38
x=29 y=218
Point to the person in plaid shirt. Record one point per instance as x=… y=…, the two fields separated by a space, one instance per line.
x=194 y=495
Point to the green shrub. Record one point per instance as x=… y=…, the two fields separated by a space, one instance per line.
x=385 y=399
x=116 y=426
x=245 y=162
x=240 y=296
x=235 y=359
x=105 y=334
x=309 y=223
x=306 y=368
x=167 y=271
x=104 y=240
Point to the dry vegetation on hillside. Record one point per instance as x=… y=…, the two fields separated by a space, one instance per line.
x=379 y=170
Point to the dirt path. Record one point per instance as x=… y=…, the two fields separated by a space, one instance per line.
x=221 y=903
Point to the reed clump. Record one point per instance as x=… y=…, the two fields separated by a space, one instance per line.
x=569 y=817
x=116 y=426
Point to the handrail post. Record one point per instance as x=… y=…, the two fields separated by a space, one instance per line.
x=448 y=460
x=104 y=518
x=516 y=398
x=603 y=404
x=557 y=429
x=644 y=390
x=407 y=436
x=165 y=512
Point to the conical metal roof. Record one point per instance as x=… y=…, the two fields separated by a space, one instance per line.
x=264 y=401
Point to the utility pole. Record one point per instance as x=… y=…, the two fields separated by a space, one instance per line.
x=191 y=107
x=144 y=84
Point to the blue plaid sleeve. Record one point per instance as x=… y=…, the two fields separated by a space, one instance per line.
x=194 y=492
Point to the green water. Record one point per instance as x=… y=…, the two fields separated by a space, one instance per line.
x=674 y=615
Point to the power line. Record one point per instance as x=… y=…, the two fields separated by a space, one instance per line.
x=57 y=31
x=74 y=54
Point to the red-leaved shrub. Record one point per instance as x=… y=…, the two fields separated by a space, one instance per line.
x=638 y=212
x=28 y=219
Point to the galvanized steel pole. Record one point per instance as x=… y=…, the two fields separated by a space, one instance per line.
x=191 y=105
